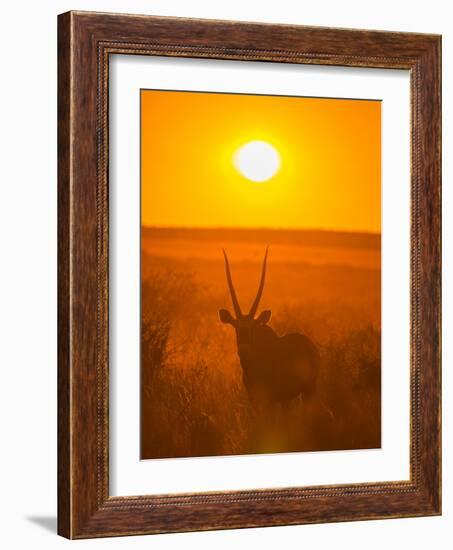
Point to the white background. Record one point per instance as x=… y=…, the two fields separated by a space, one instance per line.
x=129 y=475
x=28 y=270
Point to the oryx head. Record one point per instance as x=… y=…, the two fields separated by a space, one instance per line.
x=244 y=324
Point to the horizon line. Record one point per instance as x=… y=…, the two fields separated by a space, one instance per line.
x=263 y=228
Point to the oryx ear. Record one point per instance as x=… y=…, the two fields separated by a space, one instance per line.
x=226 y=317
x=264 y=317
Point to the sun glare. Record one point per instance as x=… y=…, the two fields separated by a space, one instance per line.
x=257 y=161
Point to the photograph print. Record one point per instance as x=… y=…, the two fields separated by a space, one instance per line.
x=260 y=274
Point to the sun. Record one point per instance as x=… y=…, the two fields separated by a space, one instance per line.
x=257 y=161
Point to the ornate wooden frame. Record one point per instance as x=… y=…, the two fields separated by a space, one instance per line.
x=85 y=41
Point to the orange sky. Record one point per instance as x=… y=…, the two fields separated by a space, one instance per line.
x=330 y=176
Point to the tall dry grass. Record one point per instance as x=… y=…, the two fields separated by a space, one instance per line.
x=193 y=400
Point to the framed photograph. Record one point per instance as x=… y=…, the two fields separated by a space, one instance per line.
x=249 y=275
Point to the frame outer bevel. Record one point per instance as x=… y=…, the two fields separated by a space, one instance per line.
x=64 y=391
x=85 y=41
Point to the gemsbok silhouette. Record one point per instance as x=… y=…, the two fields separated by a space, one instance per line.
x=275 y=369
